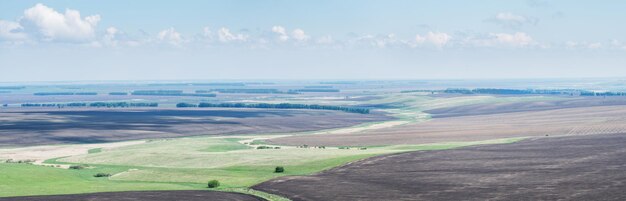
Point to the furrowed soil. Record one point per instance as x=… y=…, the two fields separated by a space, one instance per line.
x=26 y=127
x=589 y=167
x=496 y=108
x=569 y=121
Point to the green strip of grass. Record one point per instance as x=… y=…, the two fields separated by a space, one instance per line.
x=26 y=179
x=95 y=150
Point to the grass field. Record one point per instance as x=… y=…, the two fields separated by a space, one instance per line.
x=186 y=163
x=26 y=179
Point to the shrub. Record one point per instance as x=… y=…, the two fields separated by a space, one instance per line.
x=213 y=184
x=263 y=147
x=279 y=169
x=76 y=167
x=102 y=175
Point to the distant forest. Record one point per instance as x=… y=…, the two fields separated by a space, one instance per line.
x=94 y=104
x=314 y=90
x=167 y=93
x=277 y=106
x=570 y=92
x=65 y=93
x=248 y=91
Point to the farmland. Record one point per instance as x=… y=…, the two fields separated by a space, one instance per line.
x=240 y=138
x=572 y=168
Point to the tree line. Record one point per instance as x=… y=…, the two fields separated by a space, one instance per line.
x=65 y=93
x=167 y=93
x=277 y=106
x=94 y=104
x=314 y=90
x=249 y=91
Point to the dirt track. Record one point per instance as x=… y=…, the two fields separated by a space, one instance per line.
x=54 y=126
x=143 y=195
x=571 y=121
x=558 y=168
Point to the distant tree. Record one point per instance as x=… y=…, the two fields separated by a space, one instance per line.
x=213 y=184
x=279 y=169
x=102 y=175
x=76 y=167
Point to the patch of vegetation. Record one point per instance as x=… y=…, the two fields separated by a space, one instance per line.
x=213 y=184
x=76 y=167
x=167 y=93
x=102 y=175
x=28 y=161
x=247 y=91
x=94 y=150
x=23 y=180
x=315 y=90
x=278 y=106
x=279 y=169
x=65 y=93
x=266 y=147
x=118 y=93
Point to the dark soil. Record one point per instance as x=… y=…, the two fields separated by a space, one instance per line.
x=143 y=195
x=57 y=126
x=589 y=167
x=496 y=108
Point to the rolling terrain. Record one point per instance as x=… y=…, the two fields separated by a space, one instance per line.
x=23 y=127
x=568 y=121
x=551 y=168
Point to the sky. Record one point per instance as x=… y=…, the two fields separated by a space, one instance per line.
x=71 y=40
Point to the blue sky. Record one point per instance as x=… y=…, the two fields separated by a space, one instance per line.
x=148 y=40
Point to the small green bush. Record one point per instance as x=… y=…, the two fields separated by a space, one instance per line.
x=76 y=167
x=102 y=175
x=213 y=184
x=279 y=169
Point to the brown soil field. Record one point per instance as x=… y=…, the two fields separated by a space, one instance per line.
x=591 y=167
x=570 y=121
x=66 y=126
x=495 y=108
x=143 y=195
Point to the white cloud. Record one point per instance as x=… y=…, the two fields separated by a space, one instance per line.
x=510 y=17
x=517 y=39
x=282 y=33
x=225 y=36
x=420 y=39
x=511 y=20
x=55 y=26
x=594 y=45
x=299 y=35
x=325 y=40
x=171 y=36
x=438 y=39
x=12 y=31
x=207 y=33
x=110 y=36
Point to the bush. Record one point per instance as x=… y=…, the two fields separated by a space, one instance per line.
x=279 y=169
x=213 y=184
x=102 y=175
x=76 y=167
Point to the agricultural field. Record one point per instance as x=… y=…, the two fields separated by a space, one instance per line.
x=570 y=121
x=98 y=125
x=589 y=167
x=122 y=149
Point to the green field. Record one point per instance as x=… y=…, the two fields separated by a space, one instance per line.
x=185 y=163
